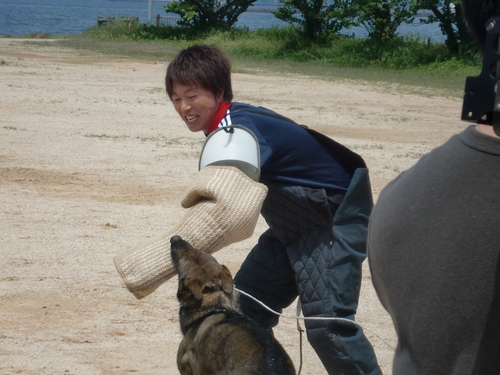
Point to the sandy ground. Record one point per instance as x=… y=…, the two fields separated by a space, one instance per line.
x=93 y=159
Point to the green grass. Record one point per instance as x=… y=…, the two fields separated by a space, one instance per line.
x=411 y=63
x=31 y=36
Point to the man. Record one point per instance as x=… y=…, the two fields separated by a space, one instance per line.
x=434 y=249
x=317 y=203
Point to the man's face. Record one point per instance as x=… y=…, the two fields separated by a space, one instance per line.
x=195 y=105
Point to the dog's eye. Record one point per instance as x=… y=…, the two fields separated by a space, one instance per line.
x=184 y=293
x=207 y=289
x=210 y=288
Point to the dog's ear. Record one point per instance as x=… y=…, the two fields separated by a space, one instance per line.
x=226 y=279
x=195 y=289
x=188 y=288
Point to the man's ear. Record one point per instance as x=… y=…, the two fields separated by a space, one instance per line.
x=220 y=98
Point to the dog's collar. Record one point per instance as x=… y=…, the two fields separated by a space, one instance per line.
x=199 y=320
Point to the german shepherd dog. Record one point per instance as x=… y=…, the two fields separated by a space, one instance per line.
x=218 y=338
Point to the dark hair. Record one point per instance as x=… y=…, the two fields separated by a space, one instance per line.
x=476 y=15
x=202 y=65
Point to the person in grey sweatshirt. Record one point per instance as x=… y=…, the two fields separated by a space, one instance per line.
x=434 y=248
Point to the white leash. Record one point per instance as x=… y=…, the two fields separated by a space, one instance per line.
x=301 y=331
x=298 y=318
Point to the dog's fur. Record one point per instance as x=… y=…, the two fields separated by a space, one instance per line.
x=218 y=338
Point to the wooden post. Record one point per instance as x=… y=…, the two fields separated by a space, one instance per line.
x=150 y=10
x=101 y=21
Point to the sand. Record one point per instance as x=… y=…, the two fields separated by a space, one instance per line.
x=93 y=159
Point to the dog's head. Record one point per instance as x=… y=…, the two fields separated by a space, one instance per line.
x=202 y=280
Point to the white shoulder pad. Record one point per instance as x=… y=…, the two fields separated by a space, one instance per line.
x=233 y=146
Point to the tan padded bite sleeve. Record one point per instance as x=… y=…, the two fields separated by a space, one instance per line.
x=224 y=206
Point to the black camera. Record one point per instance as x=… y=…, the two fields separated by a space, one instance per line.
x=482 y=93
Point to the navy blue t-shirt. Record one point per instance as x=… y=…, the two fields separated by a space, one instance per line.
x=289 y=154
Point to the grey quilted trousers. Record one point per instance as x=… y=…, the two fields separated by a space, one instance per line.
x=303 y=254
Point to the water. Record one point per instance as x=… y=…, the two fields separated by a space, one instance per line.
x=64 y=17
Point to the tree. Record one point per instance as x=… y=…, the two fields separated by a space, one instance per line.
x=381 y=18
x=208 y=14
x=450 y=17
x=316 y=16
